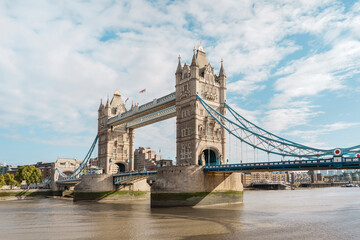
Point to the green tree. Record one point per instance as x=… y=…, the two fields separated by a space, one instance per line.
x=2 y=180
x=30 y=174
x=9 y=180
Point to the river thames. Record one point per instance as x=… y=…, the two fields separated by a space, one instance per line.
x=327 y=213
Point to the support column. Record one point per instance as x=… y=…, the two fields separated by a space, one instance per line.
x=191 y=186
x=131 y=147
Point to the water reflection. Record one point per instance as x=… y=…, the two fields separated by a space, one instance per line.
x=311 y=214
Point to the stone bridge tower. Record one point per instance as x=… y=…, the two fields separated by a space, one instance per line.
x=200 y=139
x=116 y=144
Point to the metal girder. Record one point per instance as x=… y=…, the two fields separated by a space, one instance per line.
x=331 y=163
x=143 y=110
x=263 y=140
x=152 y=117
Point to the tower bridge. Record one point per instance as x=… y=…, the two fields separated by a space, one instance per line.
x=199 y=105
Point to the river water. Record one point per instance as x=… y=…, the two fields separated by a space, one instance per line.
x=327 y=213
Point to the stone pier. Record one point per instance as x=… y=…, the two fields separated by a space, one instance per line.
x=191 y=186
x=101 y=187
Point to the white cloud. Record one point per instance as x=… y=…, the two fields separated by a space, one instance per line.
x=54 y=69
x=281 y=119
x=311 y=136
x=312 y=75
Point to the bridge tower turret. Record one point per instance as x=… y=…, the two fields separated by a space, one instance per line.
x=116 y=144
x=200 y=139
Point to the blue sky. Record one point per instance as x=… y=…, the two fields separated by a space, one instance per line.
x=293 y=67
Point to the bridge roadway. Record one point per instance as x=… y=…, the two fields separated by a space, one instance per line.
x=298 y=165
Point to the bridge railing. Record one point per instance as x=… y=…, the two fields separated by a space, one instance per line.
x=331 y=163
x=121 y=177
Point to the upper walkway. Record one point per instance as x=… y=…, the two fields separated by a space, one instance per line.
x=156 y=110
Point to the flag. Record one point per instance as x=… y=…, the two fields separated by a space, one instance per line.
x=126 y=100
x=142 y=91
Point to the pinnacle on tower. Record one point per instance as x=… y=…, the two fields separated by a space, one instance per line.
x=108 y=102
x=117 y=93
x=101 y=104
x=200 y=48
x=179 y=69
x=201 y=59
x=194 y=60
x=222 y=71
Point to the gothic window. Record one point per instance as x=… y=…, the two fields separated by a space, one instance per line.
x=182 y=152
x=185 y=87
x=189 y=150
x=185 y=113
x=185 y=132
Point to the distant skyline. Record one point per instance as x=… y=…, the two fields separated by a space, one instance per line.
x=292 y=67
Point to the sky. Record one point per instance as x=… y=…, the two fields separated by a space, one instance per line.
x=293 y=67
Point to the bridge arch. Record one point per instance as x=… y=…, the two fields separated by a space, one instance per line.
x=118 y=167
x=209 y=156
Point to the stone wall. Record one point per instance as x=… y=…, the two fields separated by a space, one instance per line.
x=101 y=188
x=190 y=186
x=95 y=183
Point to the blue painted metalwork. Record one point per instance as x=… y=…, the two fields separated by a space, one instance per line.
x=68 y=180
x=119 y=178
x=268 y=142
x=82 y=165
x=331 y=163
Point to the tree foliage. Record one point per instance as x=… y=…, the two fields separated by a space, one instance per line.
x=2 y=180
x=9 y=180
x=29 y=173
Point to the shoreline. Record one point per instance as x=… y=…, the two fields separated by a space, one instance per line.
x=17 y=194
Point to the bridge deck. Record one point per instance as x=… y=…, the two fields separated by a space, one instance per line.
x=124 y=178
x=321 y=164
x=69 y=181
x=143 y=110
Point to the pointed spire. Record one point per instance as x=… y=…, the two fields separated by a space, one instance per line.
x=200 y=48
x=222 y=71
x=108 y=102
x=117 y=93
x=101 y=104
x=194 y=61
x=179 y=69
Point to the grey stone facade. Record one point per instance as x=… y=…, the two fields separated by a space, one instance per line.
x=199 y=138
x=116 y=144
